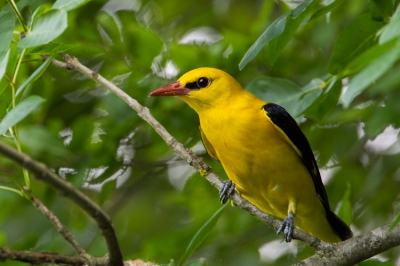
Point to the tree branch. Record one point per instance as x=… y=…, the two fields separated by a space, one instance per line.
x=40 y=257
x=348 y=252
x=67 y=190
x=35 y=258
x=189 y=156
x=356 y=249
x=57 y=224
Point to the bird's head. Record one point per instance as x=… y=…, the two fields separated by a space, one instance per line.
x=201 y=88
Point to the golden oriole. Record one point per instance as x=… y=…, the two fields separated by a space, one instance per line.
x=262 y=150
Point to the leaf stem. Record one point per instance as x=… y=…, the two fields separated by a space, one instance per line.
x=12 y=190
x=18 y=14
x=14 y=130
x=18 y=66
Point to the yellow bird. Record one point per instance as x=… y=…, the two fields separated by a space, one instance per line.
x=262 y=150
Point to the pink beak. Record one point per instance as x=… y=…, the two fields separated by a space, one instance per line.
x=171 y=89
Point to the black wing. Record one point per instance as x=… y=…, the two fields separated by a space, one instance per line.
x=282 y=119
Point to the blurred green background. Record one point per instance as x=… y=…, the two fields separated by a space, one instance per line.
x=157 y=203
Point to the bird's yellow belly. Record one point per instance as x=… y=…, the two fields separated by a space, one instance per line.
x=269 y=180
x=271 y=175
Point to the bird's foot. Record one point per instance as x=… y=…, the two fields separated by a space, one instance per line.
x=287 y=227
x=226 y=190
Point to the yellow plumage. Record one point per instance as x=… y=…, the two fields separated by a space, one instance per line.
x=268 y=169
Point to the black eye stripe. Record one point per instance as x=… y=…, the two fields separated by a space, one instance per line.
x=200 y=83
x=192 y=85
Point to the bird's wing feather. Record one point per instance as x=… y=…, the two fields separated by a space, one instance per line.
x=288 y=126
x=209 y=148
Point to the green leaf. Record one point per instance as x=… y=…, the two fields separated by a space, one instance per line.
x=369 y=74
x=35 y=75
x=5 y=97
x=274 y=30
x=367 y=57
x=2 y=2
x=46 y=28
x=281 y=31
x=51 y=48
x=326 y=102
x=276 y=90
x=293 y=22
x=68 y=5
x=6 y=30
x=38 y=12
x=12 y=59
x=352 y=41
x=287 y=94
x=392 y=29
x=19 y=112
x=26 y=14
x=326 y=9
x=344 y=208
x=395 y=222
x=3 y=63
x=309 y=94
x=380 y=10
x=201 y=234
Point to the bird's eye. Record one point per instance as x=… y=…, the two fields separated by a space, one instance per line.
x=203 y=82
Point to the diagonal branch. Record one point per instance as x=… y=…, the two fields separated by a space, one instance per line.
x=35 y=258
x=189 y=156
x=57 y=224
x=356 y=249
x=373 y=242
x=67 y=190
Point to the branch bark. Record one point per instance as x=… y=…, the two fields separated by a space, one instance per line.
x=348 y=252
x=39 y=257
x=35 y=258
x=43 y=174
x=57 y=224
x=356 y=249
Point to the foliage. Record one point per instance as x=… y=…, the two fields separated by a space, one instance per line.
x=333 y=64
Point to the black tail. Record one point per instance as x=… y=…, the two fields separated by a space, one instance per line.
x=338 y=226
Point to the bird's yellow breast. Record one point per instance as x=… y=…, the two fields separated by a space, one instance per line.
x=254 y=155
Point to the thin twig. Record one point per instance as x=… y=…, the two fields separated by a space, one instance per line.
x=41 y=257
x=56 y=62
x=57 y=224
x=67 y=190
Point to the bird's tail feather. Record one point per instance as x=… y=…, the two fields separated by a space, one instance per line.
x=340 y=227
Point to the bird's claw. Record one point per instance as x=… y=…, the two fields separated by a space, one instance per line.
x=226 y=190
x=287 y=227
